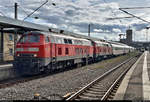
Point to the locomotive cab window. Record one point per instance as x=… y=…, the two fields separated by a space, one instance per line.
x=30 y=39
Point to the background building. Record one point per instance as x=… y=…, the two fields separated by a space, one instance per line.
x=8 y=47
x=128 y=39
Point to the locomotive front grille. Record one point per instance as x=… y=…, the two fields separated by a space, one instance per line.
x=27 y=59
x=26 y=55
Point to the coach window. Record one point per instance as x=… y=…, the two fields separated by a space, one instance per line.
x=67 y=51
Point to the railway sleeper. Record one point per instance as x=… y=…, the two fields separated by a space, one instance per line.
x=92 y=95
x=101 y=85
x=95 y=89
x=96 y=92
x=112 y=94
x=87 y=98
x=110 y=97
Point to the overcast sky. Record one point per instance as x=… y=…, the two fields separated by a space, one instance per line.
x=75 y=15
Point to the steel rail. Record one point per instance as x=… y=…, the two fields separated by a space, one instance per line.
x=114 y=84
x=72 y=97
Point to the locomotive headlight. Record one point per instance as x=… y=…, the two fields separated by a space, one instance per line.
x=35 y=55
x=18 y=55
x=19 y=49
x=33 y=49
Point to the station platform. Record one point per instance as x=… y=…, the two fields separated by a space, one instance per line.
x=136 y=83
x=6 y=65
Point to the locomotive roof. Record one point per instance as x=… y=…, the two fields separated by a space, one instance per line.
x=58 y=35
x=101 y=42
x=67 y=34
x=67 y=37
x=116 y=45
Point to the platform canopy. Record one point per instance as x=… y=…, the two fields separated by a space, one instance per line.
x=8 y=25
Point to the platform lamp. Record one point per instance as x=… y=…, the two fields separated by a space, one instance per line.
x=147 y=28
x=89 y=29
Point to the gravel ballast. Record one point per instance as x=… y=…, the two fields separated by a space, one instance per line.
x=59 y=84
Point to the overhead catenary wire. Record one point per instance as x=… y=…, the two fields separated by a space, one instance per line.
x=118 y=18
x=2 y=13
x=133 y=15
x=136 y=8
x=35 y=10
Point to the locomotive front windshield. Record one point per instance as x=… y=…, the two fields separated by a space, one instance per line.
x=30 y=39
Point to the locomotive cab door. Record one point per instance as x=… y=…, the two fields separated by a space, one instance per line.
x=47 y=47
x=53 y=53
x=47 y=50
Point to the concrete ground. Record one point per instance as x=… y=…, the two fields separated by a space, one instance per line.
x=136 y=84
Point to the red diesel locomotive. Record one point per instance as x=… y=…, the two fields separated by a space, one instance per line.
x=102 y=49
x=40 y=51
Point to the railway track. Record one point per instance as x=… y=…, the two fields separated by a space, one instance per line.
x=14 y=81
x=105 y=86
